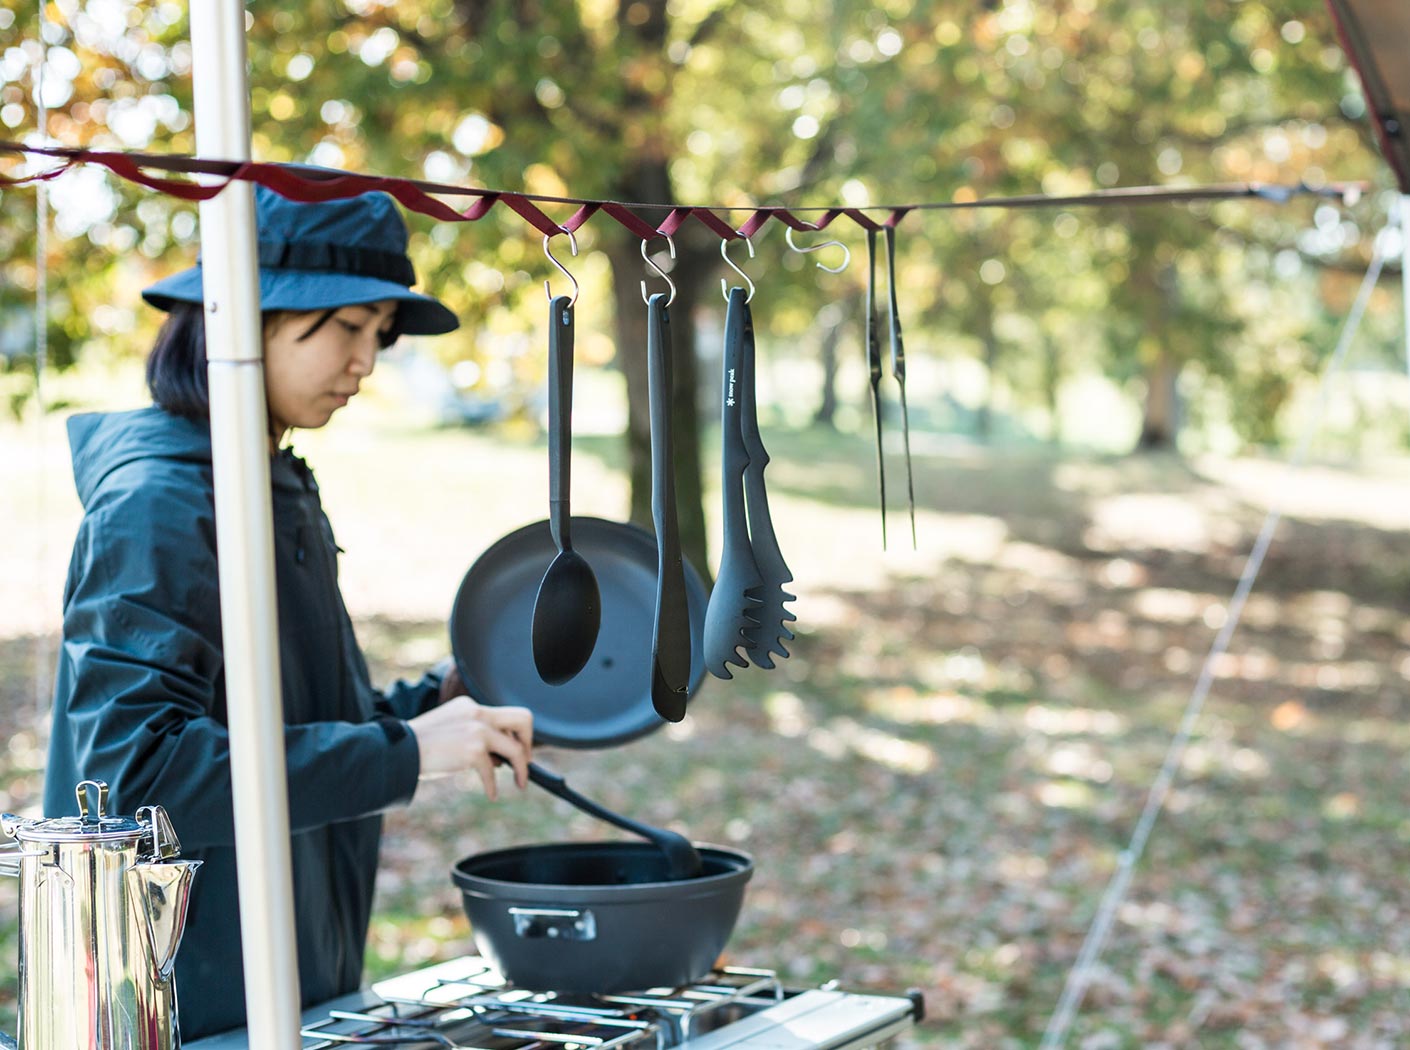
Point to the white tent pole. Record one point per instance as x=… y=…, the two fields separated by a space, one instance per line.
x=245 y=533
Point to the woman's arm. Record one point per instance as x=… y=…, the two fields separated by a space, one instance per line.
x=140 y=698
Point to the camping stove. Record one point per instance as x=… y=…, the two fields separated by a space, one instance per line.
x=465 y=1003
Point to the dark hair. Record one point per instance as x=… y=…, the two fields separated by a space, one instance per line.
x=176 y=367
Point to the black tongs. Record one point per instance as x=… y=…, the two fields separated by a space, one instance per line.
x=898 y=369
x=874 y=370
x=670 y=639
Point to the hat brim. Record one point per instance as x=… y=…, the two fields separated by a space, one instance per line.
x=417 y=314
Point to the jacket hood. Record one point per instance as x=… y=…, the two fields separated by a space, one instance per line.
x=101 y=442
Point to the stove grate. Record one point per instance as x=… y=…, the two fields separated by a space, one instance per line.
x=466 y=1005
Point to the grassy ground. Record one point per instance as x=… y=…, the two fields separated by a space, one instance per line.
x=938 y=784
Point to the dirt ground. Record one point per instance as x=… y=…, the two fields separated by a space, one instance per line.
x=938 y=783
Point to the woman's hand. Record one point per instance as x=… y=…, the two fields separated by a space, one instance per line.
x=461 y=734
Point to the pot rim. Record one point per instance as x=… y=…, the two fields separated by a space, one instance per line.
x=485 y=886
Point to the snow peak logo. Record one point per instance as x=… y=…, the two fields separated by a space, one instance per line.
x=729 y=397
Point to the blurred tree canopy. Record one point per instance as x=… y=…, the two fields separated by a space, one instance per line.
x=727 y=102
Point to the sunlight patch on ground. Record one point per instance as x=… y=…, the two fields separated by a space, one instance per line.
x=1042 y=562
x=1148 y=520
x=1071 y=721
x=843 y=735
x=1079 y=761
x=903 y=704
x=1066 y=794
x=1023 y=867
x=1219 y=757
x=1342 y=806
x=787 y=715
x=1318 y=493
x=1166 y=605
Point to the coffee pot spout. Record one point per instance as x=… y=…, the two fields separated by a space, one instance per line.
x=158 y=893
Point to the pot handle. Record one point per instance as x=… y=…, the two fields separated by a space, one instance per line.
x=560 y=924
x=83 y=792
x=12 y=854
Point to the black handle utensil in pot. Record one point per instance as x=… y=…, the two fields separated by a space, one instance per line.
x=682 y=858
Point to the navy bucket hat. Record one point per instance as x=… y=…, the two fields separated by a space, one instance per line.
x=327 y=254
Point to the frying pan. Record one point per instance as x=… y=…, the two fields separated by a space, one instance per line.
x=609 y=701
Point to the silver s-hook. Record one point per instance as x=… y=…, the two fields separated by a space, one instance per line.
x=846 y=252
x=573 y=246
x=724 y=254
x=671 y=244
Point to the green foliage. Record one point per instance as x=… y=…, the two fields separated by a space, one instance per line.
x=721 y=101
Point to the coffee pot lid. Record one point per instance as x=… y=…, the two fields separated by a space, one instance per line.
x=91 y=825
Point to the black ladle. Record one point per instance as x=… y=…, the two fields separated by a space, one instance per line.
x=568 y=608
x=682 y=859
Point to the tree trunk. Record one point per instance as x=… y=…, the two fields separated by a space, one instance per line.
x=984 y=419
x=834 y=319
x=1052 y=378
x=1160 y=426
x=648 y=180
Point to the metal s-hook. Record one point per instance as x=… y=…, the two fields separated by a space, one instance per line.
x=671 y=244
x=846 y=251
x=724 y=254
x=573 y=245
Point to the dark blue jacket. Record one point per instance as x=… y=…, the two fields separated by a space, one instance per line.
x=140 y=699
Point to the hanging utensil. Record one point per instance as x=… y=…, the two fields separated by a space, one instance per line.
x=731 y=622
x=874 y=370
x=898 y=369
x=608 y=703
x=568 y=608
x=671 y=635
x=768 y=558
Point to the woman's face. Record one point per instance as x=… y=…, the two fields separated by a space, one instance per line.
x=311 y=370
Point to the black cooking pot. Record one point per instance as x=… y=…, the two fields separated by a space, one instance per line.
x=600 y=917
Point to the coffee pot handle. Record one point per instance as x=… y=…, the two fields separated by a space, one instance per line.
x=165 y=844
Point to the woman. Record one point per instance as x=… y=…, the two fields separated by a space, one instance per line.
x=140 y=692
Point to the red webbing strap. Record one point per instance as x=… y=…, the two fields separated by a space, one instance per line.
x=582 y=215
x=704 y=216
x=314 y=184
x=39 y=176
x=188 y=191
x=531 y=214
x=628 y=218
